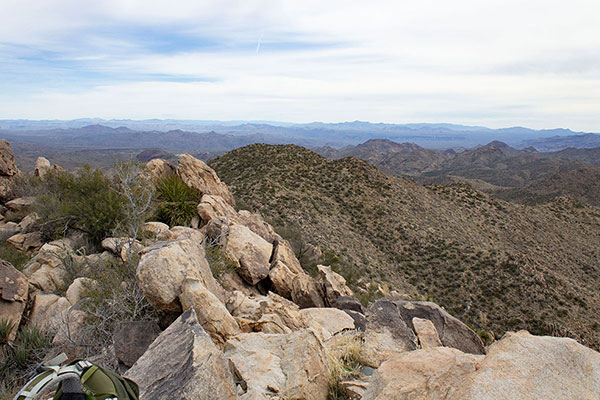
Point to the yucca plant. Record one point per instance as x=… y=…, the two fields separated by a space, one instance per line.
x=176 y=201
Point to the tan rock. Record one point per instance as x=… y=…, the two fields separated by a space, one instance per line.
x=452 y=332
x=283 y=253
x=42 y=167
x=421 y=374
x=14 y=289
x=231 y=281
x=8 y=229
x=257 y=224
x=195 y=173
x=49 y=311
x=251 y=251
x=334 y=285
x=48 y=278
x=211 y=312
x=426 y=333
x=282 y=279
x=157 y=231
x=165 y=266
x=29 y=223
x=306 y=292
x=331 y=320
x=26 y=241
x=183 y=363
x=77 y=290
x=7 y=160
x=159 y=169
x=523 y=366
x=214 y=206
x=184 y=232
x=20 y=205
x=292 y=366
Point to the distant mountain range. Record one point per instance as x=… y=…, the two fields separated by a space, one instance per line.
x=524 y=175
x=435 y=136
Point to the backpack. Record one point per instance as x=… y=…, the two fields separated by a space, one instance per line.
x=79 y=380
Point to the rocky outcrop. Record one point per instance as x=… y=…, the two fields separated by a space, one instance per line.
x=21 y=205
x=42 y=167
x=8 y=171
x=210 y=311
x=9 y=229
x=183 y=363
x=333 y=284
x=14 y=289
x=523 y=366
x=250 y=251
x=49 y=311
x=306 y=292
x=211 y=207
x=132 y=338
x=426 y=333
x=331 y=320
x=47 y=270
x=452 y=332
x=421 y=374
x=159 y=169
x=386 y=333
x=157 y=231
x=291 y=366
x=26 y=241
x=195 y=173
x=165 y=266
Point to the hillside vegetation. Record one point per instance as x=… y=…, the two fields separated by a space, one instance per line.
x=497 y=265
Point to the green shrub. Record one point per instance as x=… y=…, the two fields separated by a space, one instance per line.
x=219 y=263
x=176 y=202
x=86 y=202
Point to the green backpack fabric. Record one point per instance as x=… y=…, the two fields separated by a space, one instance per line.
x=79 y=380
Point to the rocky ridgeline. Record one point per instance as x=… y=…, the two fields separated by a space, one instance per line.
x=264 y=329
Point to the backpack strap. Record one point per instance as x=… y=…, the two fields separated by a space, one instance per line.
x=70 y=375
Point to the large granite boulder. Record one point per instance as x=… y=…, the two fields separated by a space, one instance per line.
x=210 y=311
x=159 y=169
x=523 y=366
x=213 y=206
x=452 y=332
x=132 y=338
x=331 y=320
x=183 y=363
x=290 y=366
x=306 y=292
x=421 y=374
x=8 y=171
x=14 y=289
x=386 y=333
x=165 y=266
x=49 y=312
x=195 y=173
x=252 y=253
x=333 y=284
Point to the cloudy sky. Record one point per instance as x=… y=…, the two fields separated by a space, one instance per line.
x=496 y=63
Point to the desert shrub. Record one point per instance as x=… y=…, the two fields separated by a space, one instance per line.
x=293 y=234
x=16 y=257
x=86 y=202
x=20 y=358
x=176 y=202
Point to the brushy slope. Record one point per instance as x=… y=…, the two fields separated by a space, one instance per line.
x=496 y=265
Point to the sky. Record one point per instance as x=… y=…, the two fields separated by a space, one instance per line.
x=493 y=63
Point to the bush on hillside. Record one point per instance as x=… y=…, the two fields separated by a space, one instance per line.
x=176 y=202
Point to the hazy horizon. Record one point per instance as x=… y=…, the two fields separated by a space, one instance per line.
x=494 y=64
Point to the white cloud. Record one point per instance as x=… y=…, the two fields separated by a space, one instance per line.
x=495 y=63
